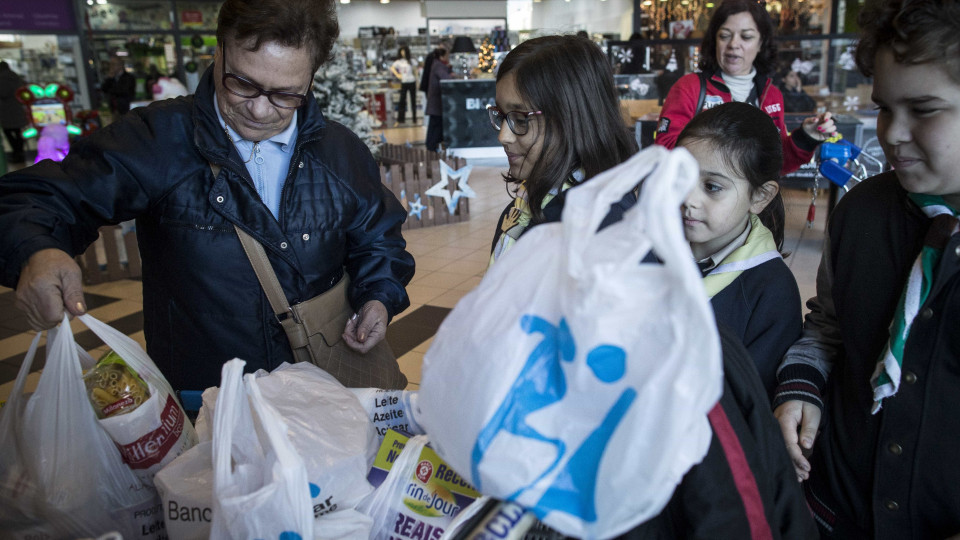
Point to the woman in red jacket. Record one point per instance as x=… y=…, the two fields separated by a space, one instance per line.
x=738 y=55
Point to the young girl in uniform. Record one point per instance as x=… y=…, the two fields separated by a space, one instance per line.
x=733 y=220
x=558 y=114
x=881 y=346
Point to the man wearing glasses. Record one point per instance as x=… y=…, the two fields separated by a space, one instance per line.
x=251 y=150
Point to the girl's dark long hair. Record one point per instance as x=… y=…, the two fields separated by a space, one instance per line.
x=749 y=143
x=766 y=60
x=570 y=80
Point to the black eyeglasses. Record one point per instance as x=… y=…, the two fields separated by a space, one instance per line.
x=244 y=88
x=517 y=121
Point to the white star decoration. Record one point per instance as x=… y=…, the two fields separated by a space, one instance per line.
x=417 y=207
x=440 y=188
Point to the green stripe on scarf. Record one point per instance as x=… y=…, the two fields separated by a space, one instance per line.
x=885 y=380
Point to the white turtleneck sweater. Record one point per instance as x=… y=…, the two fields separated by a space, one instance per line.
x=739 y=85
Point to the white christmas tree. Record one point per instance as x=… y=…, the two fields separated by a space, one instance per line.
x=335 y=87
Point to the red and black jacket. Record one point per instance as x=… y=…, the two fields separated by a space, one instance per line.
x=681 y=104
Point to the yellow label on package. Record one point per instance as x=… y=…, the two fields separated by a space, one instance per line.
x=434 y=495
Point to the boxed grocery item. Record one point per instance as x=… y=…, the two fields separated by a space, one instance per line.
x=418 y=494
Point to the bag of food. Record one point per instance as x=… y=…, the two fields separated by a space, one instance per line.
x=418 y=495
x=60 y=474
x=260 y=487
x=149 y=434
x=328 y=428
x=114 y=388
x=390 y=409
x=186 y=491
x=582 y=367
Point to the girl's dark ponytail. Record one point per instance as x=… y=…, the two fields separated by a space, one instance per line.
x=773 y=217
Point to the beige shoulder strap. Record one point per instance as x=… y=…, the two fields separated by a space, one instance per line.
x=265 y=274
x=261 y=265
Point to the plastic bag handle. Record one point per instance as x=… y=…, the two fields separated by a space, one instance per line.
x=665 y=223
x=226 y=416
x=271 y=424
x=128 y=349
x=668 y=177
x=590 y=202
x=21 y=381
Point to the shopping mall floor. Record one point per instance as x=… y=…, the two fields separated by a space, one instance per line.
x=451 y=260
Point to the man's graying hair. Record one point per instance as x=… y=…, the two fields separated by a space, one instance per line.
x=291 y=23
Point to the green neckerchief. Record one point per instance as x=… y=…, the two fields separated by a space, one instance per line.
x=886 y=377
x=758 y=249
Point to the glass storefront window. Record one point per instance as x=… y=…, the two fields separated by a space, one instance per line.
x=129 y=15
x=140 y=53
x=43 y=59
x=688 y=19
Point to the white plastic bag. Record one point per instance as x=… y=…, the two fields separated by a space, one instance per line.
x=158 y=430
x=581 y=377
x=386 y=506
x=60 y=474
x=186 y=490
x=327 y=427
x=390 y=409
x=260 y=487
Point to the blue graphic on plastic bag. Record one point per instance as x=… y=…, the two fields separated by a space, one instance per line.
x=541 y=382
x=289 y=535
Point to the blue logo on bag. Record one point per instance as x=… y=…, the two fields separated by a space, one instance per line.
x=542 y=382
x=288 y=535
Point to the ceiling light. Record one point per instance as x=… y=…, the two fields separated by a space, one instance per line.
x=344 y=1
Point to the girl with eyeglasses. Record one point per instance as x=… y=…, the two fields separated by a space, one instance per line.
x=558 y=115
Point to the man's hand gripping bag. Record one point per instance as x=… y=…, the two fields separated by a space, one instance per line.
x=575 y=379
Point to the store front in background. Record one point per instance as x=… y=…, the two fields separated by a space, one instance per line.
x=178 y=38
x=39 y=40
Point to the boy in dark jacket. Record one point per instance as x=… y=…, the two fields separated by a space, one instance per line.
x=868 y=397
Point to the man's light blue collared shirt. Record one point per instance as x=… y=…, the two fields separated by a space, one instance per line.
x=267 y=162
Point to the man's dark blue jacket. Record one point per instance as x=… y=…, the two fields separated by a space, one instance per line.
x=202 y=302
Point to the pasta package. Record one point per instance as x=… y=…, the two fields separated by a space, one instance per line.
x=139 y=413
x=114 y=388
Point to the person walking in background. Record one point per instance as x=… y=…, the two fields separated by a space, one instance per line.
x=152 y=77
x=13 y=117
x=738 y=56
x=118 y=88
x=439 y=71
x=402 y=69
x=428 y=64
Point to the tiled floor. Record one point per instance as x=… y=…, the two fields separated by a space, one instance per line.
x=451 y=260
